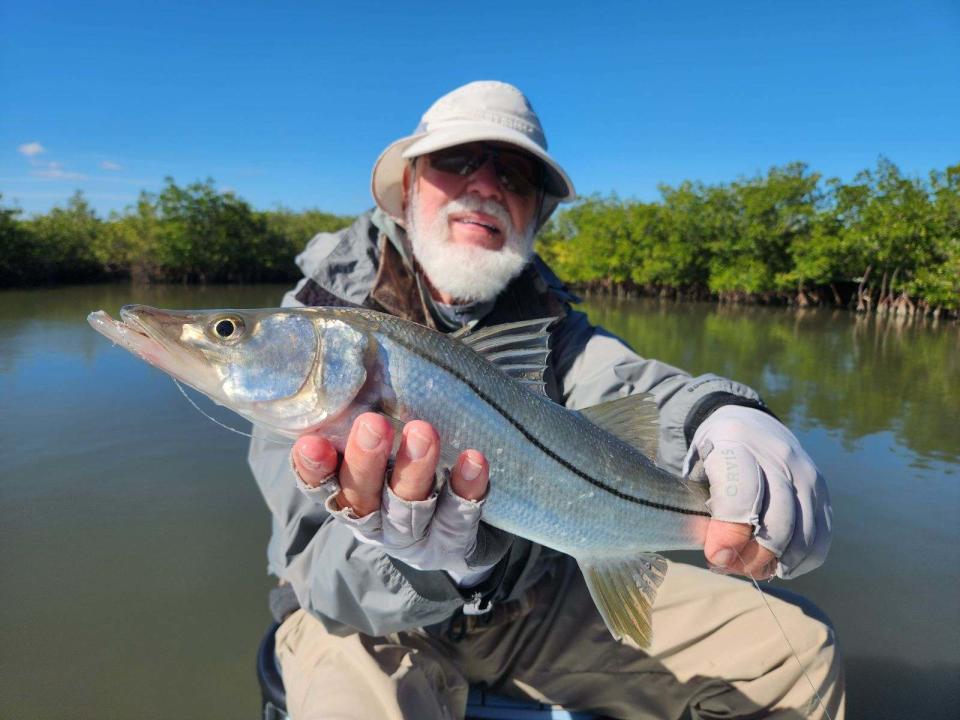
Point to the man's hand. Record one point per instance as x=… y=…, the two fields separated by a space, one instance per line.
x=771 y=511
x=408 y=518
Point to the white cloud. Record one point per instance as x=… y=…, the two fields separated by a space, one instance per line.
x=108 y=165
x=31 y=149
x=55 y=171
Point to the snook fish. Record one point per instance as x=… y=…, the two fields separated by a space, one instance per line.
x=580 y=482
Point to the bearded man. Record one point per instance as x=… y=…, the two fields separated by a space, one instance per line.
x=372 y=629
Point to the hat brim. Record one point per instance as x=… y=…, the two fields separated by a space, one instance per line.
x=387 y=178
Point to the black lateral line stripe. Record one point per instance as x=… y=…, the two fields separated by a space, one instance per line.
x=543 y=448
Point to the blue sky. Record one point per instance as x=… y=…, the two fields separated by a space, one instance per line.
x=290 y=103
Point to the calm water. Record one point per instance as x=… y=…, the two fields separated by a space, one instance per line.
x=132 y=571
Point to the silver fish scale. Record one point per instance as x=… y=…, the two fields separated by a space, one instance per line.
x=547 y=464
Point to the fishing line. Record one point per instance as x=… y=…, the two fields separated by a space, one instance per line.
x=783 y=632
x=217 y=422
x=796 y=655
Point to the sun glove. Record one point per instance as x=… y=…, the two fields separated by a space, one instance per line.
x=759 y=474
x=438 y=533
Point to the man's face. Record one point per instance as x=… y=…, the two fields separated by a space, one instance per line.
x=473 y=232
x=436 y=187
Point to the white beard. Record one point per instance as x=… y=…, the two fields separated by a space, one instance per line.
x=467 y=272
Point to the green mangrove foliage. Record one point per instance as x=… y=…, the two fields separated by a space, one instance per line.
x=182 y=234
x=882 y=242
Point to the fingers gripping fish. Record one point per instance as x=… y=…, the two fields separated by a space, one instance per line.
x=581 y=482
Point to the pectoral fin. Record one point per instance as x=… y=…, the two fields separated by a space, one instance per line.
x=624 y=590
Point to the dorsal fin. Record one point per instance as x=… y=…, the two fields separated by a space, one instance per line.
x=464 y=331
x=520 y=349
x=635 y=419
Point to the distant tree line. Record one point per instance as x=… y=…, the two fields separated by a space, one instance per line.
x=882 y=242
x=190 y=234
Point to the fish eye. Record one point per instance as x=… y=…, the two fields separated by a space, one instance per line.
x=228 y=328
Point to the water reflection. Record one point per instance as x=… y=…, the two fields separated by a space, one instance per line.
x=857 y=375
x=134 y=537
x=47 y=320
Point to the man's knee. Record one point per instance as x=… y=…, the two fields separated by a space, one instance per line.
x=358 y=676
x=823 y=640
x=811 y=640
x=813 y=632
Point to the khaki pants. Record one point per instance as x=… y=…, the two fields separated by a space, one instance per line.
x=716 y=651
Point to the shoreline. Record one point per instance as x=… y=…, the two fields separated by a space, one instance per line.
x=837 y=296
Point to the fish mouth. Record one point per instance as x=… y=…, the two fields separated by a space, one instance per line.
x=148 y=333
x=130 y=334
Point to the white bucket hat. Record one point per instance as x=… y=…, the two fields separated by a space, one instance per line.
x=483 y=110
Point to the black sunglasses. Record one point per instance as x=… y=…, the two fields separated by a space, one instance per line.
x=516 y=171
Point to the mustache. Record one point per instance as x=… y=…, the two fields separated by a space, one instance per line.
x=472 y=203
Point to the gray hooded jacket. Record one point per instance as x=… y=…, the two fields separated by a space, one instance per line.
x=353 y=587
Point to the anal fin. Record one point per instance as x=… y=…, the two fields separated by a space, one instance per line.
x=624 y=590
